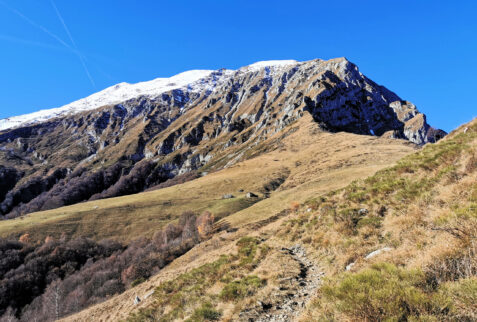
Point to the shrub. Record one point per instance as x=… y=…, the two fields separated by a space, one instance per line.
x=349 y=217
x=138 y=281
x=384 y=292
x=460 y=263
x=463 y=294
x=372 y=221
x=247 y=249
x=294 y=206
x=241 y=288
x=206 y=312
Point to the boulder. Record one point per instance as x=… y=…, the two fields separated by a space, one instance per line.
x=377 y=252
x=350 y=266
x=363 y=212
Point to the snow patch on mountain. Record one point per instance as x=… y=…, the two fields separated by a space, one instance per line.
x=193 y=80
x=271 y=63
x=111 y=95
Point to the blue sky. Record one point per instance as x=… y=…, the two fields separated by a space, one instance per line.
x=425 y=51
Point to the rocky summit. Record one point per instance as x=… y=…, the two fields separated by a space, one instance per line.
x=129 y=138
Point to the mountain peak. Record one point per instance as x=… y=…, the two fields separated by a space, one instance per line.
x=325 y=80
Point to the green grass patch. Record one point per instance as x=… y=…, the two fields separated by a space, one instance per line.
x=138 y=281
x=242 y=288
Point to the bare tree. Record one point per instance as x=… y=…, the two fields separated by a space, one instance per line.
x=52 y=300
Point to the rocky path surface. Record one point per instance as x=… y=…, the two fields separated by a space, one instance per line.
x=291 y=296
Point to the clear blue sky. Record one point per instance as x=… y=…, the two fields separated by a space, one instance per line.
x=425 y=51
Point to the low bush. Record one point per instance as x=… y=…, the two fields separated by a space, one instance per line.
x=457 y=264
x=463 y=294
x=384 y=292
x=206 y=312
x=247 y=249
x=138 y=281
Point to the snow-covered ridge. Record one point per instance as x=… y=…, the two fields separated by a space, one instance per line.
x=192 y=80
x=111 y=95
x=269 y=63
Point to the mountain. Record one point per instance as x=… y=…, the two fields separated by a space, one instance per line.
x=281 y=191
x=129 y=138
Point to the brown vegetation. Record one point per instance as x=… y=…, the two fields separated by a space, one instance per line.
x=58 y=278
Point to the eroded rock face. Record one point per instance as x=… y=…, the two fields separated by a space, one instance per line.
x=210 y=123
x=8 y=179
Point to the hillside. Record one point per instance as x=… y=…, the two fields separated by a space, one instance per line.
x=195 y=122
x=398 y=245
x=291 y=172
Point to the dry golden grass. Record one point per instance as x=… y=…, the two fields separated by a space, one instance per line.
x=423 y=211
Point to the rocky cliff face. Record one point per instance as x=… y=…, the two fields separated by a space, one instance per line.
x=214 y=121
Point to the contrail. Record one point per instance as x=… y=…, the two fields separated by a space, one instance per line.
x=80 y=56
x=36 y=25
x=63 y=22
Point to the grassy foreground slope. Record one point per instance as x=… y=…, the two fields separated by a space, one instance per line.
x=397 y=246
x=293 y=165
x=407 y=237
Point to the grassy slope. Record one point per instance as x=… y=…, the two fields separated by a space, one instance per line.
x=423 y=209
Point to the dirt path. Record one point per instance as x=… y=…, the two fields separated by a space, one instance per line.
x=293 y=293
